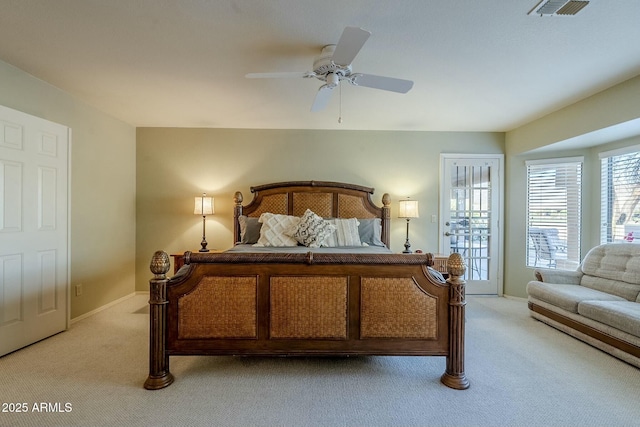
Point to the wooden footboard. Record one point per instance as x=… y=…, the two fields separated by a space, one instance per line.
x=306 y=304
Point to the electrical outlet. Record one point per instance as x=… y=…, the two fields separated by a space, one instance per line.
x=79 y=289
x=434 y=218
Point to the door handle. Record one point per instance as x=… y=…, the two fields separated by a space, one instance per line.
x=447 y=234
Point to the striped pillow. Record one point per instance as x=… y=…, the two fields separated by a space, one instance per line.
x=346 y=233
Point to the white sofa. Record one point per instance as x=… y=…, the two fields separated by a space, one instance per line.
x=598 y=303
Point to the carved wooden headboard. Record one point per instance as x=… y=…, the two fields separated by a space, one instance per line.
x=327 y=199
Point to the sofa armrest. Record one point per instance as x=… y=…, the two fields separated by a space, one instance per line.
x=560 y=277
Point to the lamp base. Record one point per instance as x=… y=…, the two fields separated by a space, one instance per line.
x=407 y=245
x=204 y=245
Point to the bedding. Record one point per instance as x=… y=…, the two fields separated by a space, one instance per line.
x=249 y=229
x=288 y=299
x=312 y=230
x=346 y=232
x=274 y=230
x=240 y=248
x=369 y=231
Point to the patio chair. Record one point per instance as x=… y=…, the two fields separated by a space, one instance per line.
x=545 y=244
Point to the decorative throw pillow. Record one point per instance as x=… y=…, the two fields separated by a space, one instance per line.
x=435 y=273
x=370 y=231
x=346 y=233
x=273 y=230
x=249 y=229
x=312 y=230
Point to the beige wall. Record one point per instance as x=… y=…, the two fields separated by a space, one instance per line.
x=102 y=187
x=611 y=107
x=174 y=165
x=112 y=225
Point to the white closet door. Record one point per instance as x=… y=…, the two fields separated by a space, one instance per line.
x=33 y=229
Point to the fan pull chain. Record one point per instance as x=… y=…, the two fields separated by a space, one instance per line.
x=340 y=112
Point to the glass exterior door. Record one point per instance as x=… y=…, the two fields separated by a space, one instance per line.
x=470 y=218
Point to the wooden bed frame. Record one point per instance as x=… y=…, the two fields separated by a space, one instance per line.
x=307 y=303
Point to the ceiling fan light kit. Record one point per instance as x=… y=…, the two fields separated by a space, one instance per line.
x=333 y=66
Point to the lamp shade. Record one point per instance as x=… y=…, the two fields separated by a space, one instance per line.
x=408 y=209
x=203 y=205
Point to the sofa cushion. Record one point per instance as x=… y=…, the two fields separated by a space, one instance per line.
x=622 y=315
x=561 y=277
x=567 y=297
x=618 y=265
x=622 y=289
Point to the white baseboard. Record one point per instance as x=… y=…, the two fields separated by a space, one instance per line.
x=104 y=307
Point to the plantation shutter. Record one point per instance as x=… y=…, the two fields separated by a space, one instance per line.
x=554 y=193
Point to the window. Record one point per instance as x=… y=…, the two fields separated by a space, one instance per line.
x=620 y=189
x=554 y=192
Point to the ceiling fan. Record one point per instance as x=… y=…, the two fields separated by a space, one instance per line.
x=333 y=66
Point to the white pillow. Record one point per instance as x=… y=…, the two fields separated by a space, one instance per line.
x=312 y=230
x=346 y=233
x=274 y=227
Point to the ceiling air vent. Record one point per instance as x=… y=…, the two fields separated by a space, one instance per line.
x=558 y=7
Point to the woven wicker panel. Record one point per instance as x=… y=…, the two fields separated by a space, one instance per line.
x=308 y=307
x=219 y=307
x=440 y=263
x=352 y=207
x=274 y=203
x=396 y=308
x=319 y=203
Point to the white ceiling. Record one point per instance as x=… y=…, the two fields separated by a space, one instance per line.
x=477 y=65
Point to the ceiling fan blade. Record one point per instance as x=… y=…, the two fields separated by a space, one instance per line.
x=289 y=75
x=384 y=83
x=322 y=98
x=350 y=43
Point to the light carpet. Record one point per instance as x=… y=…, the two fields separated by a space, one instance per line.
x=522 y=373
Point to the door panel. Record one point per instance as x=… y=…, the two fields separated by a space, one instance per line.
x=471 y=210
x=10 y=199
x=11 y=289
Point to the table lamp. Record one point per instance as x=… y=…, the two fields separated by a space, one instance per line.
x=408 y=209
x=203 y=206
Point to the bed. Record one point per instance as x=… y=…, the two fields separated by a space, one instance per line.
x=351 y=298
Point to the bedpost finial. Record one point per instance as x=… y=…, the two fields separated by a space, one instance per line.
x=386 y=199
x=160 y=264
x=455 y=265
x=237 y=198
